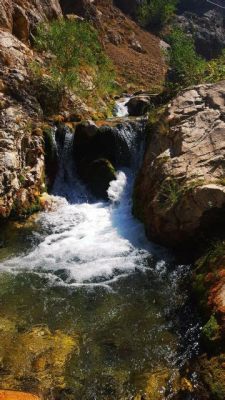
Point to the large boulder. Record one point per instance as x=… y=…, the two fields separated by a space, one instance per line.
x=180 y=190
x=138 y=105
x=110 y=141
x=97 y=175
x=98 y=150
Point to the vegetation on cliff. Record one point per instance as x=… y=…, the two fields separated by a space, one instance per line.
x=156 y=13
x=78 y=62
x=187 y=66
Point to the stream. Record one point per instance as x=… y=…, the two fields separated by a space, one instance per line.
x=89 y=308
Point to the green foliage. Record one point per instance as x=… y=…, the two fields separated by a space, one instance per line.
x=156 y=13
x=170 y=192
x=49 y=91
x=215 y=69
x=21 y=179
x=187 y=67
x=212 y=256
x=73 y=53
x=211 y=329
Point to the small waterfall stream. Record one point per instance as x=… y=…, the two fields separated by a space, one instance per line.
x=87 y=267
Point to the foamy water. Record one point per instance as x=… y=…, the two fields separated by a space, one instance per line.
x=89 y=269
x=91 y=243
x=121 y=109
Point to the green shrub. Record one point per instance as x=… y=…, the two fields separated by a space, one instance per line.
x=48 y=91
x=74 y=52
x=187 y=67
x=215 y=69
x=211 y=330
x=170 y=193
x=156 y=13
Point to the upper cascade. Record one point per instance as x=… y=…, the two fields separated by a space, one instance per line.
x=92 y=154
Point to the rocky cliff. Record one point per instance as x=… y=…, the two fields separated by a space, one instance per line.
x=21 y=143
x=180 y=190
x=21 y=16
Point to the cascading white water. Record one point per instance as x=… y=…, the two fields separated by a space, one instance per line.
x=89 y=241
x=89 y=271
x=121 y=109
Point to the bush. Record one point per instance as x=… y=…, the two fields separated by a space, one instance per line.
x=156 y=13
x=73 y=53
x=48 y=91
x=187 y=67
x=215 y=69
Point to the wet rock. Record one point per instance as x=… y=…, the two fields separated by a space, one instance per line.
x=155 y=385
x=179 y=191
x=86 y=130
x=211 y=373
x=138 y=105
x=97 y=175
x=35 y=358
x=109 y=141
x=163 y=383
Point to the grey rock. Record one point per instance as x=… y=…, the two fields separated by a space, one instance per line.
x=180 y=190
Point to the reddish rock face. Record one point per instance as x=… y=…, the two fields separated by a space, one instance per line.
x=180 y=189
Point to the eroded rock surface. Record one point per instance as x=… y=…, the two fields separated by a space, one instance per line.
x=180 y=189
x=21 y=16
x=21 y=145
x=138 y=105
x=34 y=359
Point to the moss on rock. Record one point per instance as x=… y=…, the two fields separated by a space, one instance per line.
x=98 y=175
x=34 y=359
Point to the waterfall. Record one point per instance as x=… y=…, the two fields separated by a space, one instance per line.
x=121 y=109
x=86 y=269
x=130 y=138
x=126 y=144
x=67 y=184
x=92 y=242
